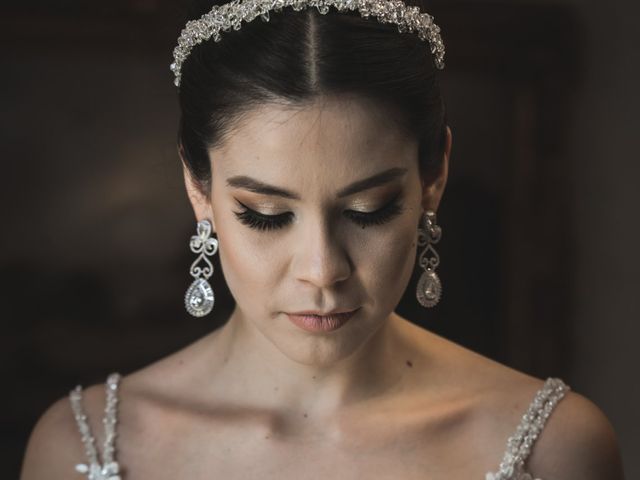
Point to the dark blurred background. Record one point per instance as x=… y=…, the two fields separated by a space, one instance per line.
x=540 y=216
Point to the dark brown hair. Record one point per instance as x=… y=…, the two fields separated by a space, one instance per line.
x=297 y=57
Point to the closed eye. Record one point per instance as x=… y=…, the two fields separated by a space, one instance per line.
x=262 y=222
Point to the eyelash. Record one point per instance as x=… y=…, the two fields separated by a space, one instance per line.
x=259 y=221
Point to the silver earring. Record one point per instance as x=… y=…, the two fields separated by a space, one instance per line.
x=199 y=297
x=429 y=288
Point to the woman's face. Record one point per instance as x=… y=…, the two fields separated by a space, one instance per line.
x=316 y=208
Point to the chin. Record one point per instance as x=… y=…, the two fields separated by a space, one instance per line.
x=323 y=349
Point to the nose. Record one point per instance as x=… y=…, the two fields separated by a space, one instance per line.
x=320 y=256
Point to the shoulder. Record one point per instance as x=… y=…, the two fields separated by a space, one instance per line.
x=55 y=445
x=578 y=442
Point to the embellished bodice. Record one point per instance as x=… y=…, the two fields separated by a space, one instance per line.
x=512 y=466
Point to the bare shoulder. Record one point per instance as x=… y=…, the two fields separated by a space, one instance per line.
x=55 y=445
x=578 y=442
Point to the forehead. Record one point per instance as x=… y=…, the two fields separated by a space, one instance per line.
x=330 y=138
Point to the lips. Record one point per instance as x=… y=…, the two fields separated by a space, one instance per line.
x=323 y=314
x=312 y=321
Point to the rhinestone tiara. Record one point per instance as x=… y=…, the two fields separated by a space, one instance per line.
x=230 y=16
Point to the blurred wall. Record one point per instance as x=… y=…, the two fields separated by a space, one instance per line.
x=603 y=148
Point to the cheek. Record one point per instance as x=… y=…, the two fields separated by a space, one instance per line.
x=247 y=269
x=386 y=260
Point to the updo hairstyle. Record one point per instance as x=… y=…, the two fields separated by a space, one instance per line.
x=294 y=59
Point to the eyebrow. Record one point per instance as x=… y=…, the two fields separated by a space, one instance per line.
x=256 y=186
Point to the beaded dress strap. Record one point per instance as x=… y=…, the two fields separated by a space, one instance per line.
x=108 y=469
x=520 y=443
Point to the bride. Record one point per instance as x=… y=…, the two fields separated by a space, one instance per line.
x=316 y=149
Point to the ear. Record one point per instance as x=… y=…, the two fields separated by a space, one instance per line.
x=200 y=202
x=433 y=188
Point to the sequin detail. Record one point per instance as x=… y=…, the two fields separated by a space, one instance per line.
x=520 y=443
x=108 y=468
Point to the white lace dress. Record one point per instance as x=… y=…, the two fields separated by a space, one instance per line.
x=512 y=466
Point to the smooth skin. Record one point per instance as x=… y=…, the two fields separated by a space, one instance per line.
x=379 y=398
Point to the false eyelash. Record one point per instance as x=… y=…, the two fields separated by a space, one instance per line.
x=379 y=217
x=259 y=221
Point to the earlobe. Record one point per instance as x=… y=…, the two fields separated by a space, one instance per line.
x=433 y=189
x=199 y=202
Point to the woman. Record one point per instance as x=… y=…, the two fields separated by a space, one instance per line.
x=316 y=150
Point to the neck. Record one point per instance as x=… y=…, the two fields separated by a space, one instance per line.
x=256 y=372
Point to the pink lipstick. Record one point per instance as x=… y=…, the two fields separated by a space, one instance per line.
x=314 y=322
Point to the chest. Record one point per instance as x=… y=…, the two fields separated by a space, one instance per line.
x=400 y=446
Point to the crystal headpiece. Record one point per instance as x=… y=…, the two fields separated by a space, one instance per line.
x=230 y=16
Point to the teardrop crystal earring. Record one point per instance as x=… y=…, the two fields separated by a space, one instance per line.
x=199 y=298
x=429 y=288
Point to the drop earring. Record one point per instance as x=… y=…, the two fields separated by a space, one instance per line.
x=199 y=298
x=429 y=288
